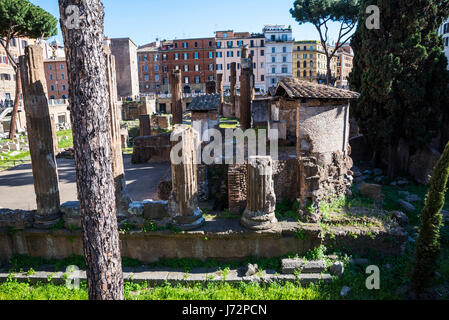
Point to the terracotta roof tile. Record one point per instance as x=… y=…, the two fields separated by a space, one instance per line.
x=296 y=88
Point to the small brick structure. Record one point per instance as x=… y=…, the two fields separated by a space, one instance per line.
x=154 y=148
x=321 y=120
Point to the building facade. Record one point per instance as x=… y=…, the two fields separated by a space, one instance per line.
x=7 y=74
x=125 y=52
x=279 y=50
x=310 y=63
x=57 y=78
x=194 y=57
x=345 y=57
x=150 y=69
x=229 y=45
x=444 y=32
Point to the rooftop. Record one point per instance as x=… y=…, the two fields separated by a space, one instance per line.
x=296 y=88
x=207 y=102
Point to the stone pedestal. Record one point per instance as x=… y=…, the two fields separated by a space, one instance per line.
x=261 y=199
x=183 y=204
x=145 y=126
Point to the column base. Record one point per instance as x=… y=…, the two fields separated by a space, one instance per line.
x=258 y=220
x=186 y=223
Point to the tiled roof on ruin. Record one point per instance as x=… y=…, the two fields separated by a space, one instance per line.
x=296 y=88
x=207 y=102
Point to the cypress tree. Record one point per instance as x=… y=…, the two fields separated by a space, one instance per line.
x=400 y=72
x=428 y=244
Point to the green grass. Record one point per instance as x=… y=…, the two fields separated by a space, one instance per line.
x=65 y=143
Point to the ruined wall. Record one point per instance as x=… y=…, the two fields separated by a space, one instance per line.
x=286 y=110
x=151 y=148
x=285 y=177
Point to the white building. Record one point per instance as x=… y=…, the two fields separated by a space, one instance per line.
x=279 y=43
x=444 y=31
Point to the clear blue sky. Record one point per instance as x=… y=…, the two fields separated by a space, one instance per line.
x=145 y=20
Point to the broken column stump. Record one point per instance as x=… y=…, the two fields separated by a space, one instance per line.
x=40 y=138
x=176 y=96
x=220 y=92
x=245 y=94
x=183 y=204
x=145 y=125
x=233 y=86
x=261 y=199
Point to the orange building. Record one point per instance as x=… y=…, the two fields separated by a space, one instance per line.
x=56 y=76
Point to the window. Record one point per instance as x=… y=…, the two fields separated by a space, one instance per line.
x=284 y=37
x=261 y=65
x=185 y=45
x=305 y=56
x=186 y=79
x=262 y=43
x=51 y=76
x=50 y=67
x=197 y=79
x=252 y=53
x=239 y=53
x=12 y=42
x=211 y=67
x=230 y=54
x=273 y=50
x=273 y=70
x=251 y=43
x=229 y=44
x=211 y=55
x=156 y=77
x=262 y=53
x=147 y=77
x=155 y=57
x=284 y=49
x=210 y=43
x=240 y=43
x=186 y=56
x=273 y=81
x=186 y=67
x=304 y=64
x=311 y=56
x=63 y=87
x=177 y=67
x=284 y=59
x=211 y=78
x=165 y=68
x=273 y=59
x=156 y=67
x=284 y=70
x=298 y=64
x=196 y=44
x=262 y=78
x=176 y=56
x=311 y=48
x=164 y=57
x=311 y=64
x=218 y=45
x=219 y=67
x=225 y=35
x=61 y=66
x=228 y=66
x=62 y=76
x=273 y=37
x=52 y=88
x=145 y=68
x=196 y=55
x=219 y=54
x=24 y=43
x=254 y=66
x=305 y=73
x=197 y=67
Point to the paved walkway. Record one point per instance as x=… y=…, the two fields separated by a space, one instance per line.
x=17 y=189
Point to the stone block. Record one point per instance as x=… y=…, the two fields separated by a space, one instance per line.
x=16 y=219
x=155 y=210
x=289 y=266
x=372 y=191
x=71 y=214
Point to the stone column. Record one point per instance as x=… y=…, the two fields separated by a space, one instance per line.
x=245 y=94
x=244 y=51
x=261 y=199
x=233 y=86
x=55 y=137
x=183 y=204
x=253 y=78
x=40 y=137
x=122 y=198
x=220 y=92
x=176 y=96
x=145 y=125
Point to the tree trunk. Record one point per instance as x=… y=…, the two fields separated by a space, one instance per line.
x=15 y=109
x=329 y=71
x=89 y=100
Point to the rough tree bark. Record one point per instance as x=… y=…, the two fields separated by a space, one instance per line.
x=89 y=100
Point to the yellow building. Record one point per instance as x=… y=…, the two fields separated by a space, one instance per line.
x=309 y=61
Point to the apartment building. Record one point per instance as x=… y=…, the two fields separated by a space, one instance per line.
x=345 y=57
x=228 y=50
x=56 y=76
x=7 y=74
x=279 y=50
x=194 y=57
x=310 y=63
x=149 y=68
